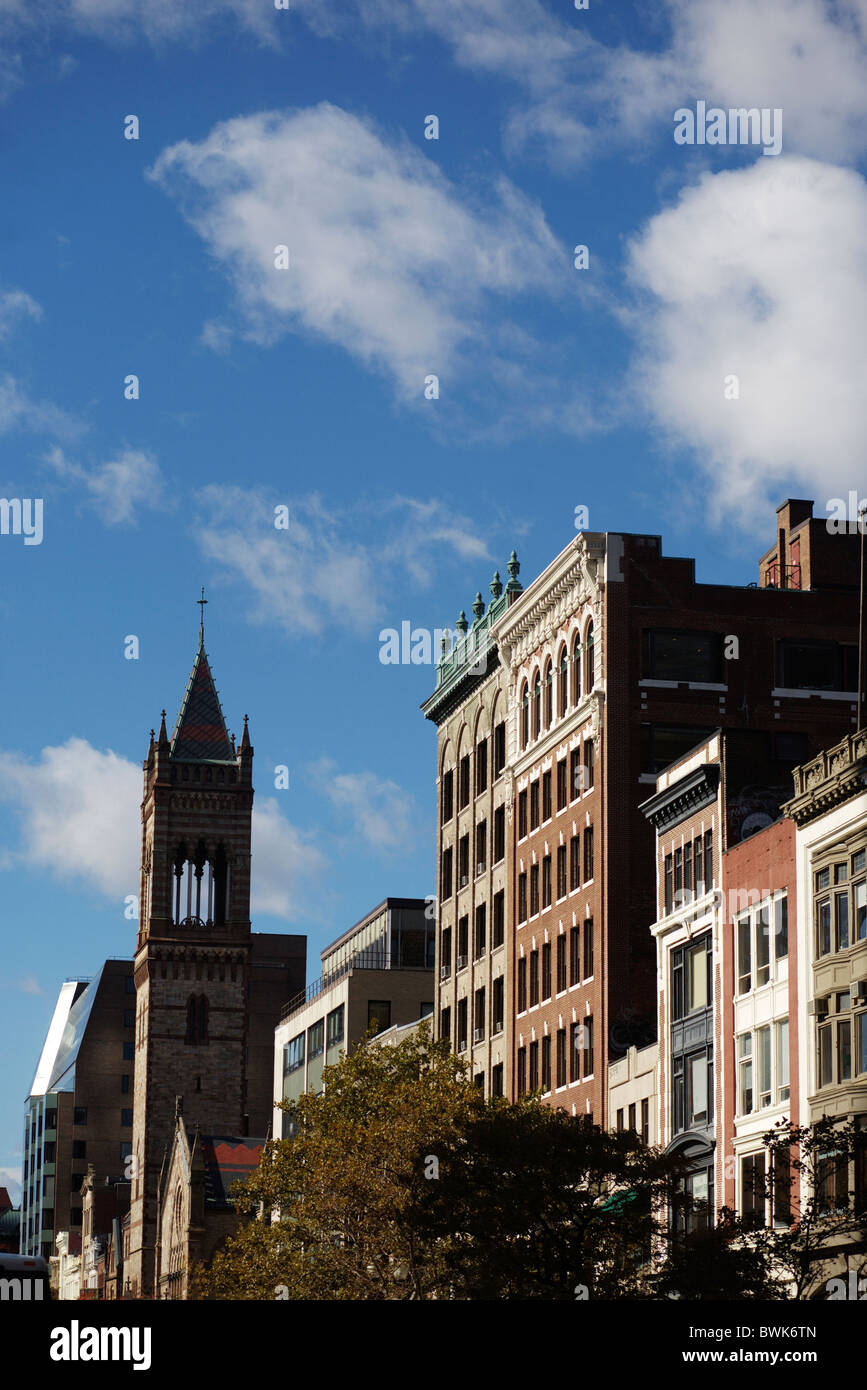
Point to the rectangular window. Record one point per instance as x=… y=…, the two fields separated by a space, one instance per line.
x=645 y=1122
x=708 y=861
x=804 y=664
x=745 y=1073
x=574 y=955
x=464 y=781
x=781 y=1200
x=124 y=1083
x=546 y=881
x=481 y=930
x=522 y=984
x=522 y=897
x=534 y=889
x=534 y=978
x=499 y=925
x=574 y=863
x=126 y=1118
x=620 y=1122
x=129 y=984
x=522 y=1071
x=575 y=1052
x=575 y=774
x=128 y=1056
x=678 y=877
x=630 y=1125
x=753 y=1188
x=744 y=956
x=561 y=963
x=669 y=884
x=860 y=923
x=561 y=871
x=522 y=814
x=446 y=1024
x=674 y=654
x=534 y=805
x=482 y=766
x=861 y=1042
x=499 y=748
x=481 y=846
x=547 y=807
x=561 y=1057
x=588 y=1047
x=546 y=970
x=497 y=1080
x=844 y=1050
x=334 y=1028
x=479 y=1015
x=782 y=1031
x=687 y=871
x=588 y=948
x=463 y=940
x=588 y=853
x=499 y=834
x=379 y=1014
x=446 y=875
x=463 y=861
x=447 y=799
x=763 y=946
x=462 y=1025
x=841 y=920
x=446 y=951
x=562 y=784
x=534 y=1065
x=763 y=1066
x=546 y=1062
x=781 y=928
x=698 y=866
x=826 y=1056
x=129 y=1018
x=823 y=927
x=589 y=763
x=79 y=1115
x=498 y=1004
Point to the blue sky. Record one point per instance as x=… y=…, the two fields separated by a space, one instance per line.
x=305 y=387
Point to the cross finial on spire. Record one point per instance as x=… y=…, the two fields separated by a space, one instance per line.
x=201 y=602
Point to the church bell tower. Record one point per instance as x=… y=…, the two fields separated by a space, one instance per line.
x=193 y=955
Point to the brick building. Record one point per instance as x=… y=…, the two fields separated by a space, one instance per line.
x=79 y=1111
x=578 y=691
x=208 y=990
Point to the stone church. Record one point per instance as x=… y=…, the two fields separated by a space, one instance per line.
x=209 y=990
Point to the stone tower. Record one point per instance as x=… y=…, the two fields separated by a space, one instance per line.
x=208 y=992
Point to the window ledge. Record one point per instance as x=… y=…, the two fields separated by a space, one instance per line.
x=805 y=693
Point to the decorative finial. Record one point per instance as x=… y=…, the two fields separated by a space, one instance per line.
x=514 y=585
x=496 y=585
x=462 y=623
x=201 y=602
x=478 y=606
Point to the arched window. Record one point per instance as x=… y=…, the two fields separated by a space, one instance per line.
x=525 y=716
x=203 y=1019
x=191 y=1020
x=549 y=695
x=564 y=682
x=576 y=669
x=537 y=706
x=589 y=676
x=201 y=886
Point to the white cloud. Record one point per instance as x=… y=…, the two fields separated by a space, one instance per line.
x=760 y=273
x=583 y=97
x=288 y=871
x=80 y=819
x=15 y=305
x=319 y=572
x=10 y=1178
x=120 y=489
x=29 y=984
x=375 y=808
x=386 y=258
x=18 y=411
x=79 y=814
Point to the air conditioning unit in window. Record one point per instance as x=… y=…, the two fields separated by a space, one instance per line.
x=464 y=880
x=478 y=1035
x=445 y=971
x=480 y=867
x=461 y=962
x=462 y=1045
x=818 y=1008
x=859 y=991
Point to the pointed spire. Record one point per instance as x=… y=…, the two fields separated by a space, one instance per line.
x=245 y=737
x=164 y=738
x=200 y=732
x=514 y=585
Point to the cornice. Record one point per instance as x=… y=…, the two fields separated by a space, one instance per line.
x=574 y=578
x=837 y=775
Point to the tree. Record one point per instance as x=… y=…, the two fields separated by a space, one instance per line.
x=402 y=1181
